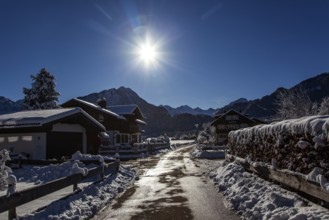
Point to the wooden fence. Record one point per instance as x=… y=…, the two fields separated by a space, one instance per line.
x=293 y=180
x=30 y=194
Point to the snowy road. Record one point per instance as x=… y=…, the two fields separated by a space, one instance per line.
x=170 y=187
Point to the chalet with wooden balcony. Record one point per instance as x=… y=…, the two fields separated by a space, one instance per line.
x=135 y=119
x=123 y=123
x=229 y=121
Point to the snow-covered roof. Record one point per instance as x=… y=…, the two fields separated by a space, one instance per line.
x=140 y=122
x=37 y=118
x=232 y=111
x=106 y=111
x=125 y=109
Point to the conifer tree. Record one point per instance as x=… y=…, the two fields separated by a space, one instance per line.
x=43 y=94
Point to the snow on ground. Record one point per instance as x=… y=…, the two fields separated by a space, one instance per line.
x=84 y=204
x=89 y=201
x=208 y=154
x=254 y=198
x=251 y=197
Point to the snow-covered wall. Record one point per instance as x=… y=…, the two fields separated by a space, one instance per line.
x=32 y=143
x=296 y=144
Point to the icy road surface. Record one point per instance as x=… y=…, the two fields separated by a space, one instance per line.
x=170 y=187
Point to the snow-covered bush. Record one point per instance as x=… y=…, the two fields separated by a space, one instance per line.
x=296 y=144
x=4 y=170
x=208 y=135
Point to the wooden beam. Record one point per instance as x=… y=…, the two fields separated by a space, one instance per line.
x=294 y=180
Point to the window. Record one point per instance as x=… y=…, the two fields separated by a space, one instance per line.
x=101 y=118
x=13 y=139
x=221 y=127
x=118 y=138
x=232 y=117
x=122 y=138
x=244 y=125
x=233 y=126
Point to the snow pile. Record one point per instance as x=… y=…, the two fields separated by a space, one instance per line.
x=44 y=174
x=254 y=198
x=79 y=156
x=207 y=154
x=298 y=144
x=78 y=170
x=89 y=200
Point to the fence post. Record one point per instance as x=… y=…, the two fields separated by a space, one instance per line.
x=117 y=161
x=101 y=162
x=19 y=161
x=12 y=213
x=75 y=186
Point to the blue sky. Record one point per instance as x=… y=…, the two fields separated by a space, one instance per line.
x=209 y=52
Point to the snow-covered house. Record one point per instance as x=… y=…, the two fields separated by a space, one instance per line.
x=133 y=129
x=46 y=134
x=122 y=123
x=229 y=121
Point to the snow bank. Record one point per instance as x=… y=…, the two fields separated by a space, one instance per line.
x=44 y=174
x=298 y=144
x=254 y=198
x=207 y=154
x=79 y=156
x=89 y=200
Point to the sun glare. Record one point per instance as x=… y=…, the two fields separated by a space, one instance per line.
x=148 y=53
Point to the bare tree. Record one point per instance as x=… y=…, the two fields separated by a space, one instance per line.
x=295 y=104
x=324 y=106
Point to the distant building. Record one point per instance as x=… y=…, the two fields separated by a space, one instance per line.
x=47 y=134
x=229 y=121
x=123 y=123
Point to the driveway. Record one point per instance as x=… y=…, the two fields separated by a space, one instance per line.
x=169 y=187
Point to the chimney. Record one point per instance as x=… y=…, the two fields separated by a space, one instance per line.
x=102 y=102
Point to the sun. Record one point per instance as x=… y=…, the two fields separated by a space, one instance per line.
x=148 y=53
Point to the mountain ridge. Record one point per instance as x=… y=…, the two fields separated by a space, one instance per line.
x=265 y=108
x=158 y=119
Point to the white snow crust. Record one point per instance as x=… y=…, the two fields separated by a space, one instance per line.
x=84 y=203
x=254 y=198
x=297 y=144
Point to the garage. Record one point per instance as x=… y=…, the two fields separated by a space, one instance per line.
x=49 y=133
x=61 y=144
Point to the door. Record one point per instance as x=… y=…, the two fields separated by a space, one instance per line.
x=61 y=144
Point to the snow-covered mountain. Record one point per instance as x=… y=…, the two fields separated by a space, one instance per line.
x=264 y=108
x=158 y=119
x=9 y=106
x=187 y=109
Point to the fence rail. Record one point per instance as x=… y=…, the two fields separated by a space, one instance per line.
x=30 y=194
x=293 y=180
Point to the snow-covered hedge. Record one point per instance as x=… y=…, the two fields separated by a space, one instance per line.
x=297 y=144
